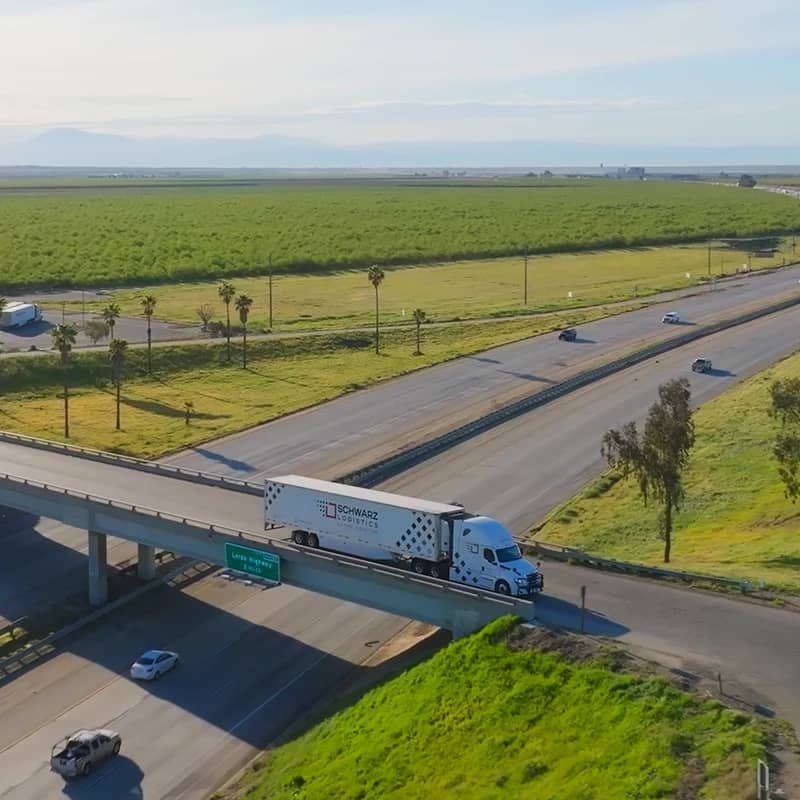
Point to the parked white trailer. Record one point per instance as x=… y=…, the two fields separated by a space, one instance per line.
x=15 y=315
x=438 y=539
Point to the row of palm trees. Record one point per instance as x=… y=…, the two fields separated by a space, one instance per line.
x=376 y=275
x=65 y=334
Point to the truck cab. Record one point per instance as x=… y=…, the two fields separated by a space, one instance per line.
x=485 y=555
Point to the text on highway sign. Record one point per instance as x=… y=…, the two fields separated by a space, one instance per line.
x=253 y=562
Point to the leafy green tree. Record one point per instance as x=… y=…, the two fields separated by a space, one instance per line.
x=111 y=314
x=243 y=303
x=227 y=291
x=658 y=456
x=118 y=351
x=64 y=336
x=748 y=181
x=785 y=397
x=419 y=317
x=96 y=329
x=148 y=309
x=376 y=276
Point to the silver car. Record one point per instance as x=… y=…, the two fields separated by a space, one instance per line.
x=78 y=753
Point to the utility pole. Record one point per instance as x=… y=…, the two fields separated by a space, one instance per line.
x=526 y=275
x=83 y=307
x=270 y=291
x=709 y=258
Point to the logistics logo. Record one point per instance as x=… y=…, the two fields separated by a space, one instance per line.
x=353 y=515
x=328 y=509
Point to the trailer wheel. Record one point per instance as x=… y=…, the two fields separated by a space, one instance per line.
x=418 y=566
x=299 y=537
x=313 y=540
x=501 y=587
x=435 y=571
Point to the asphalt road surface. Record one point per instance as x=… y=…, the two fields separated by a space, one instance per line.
x=132 y=329
x=502 y=473
x=359 y=428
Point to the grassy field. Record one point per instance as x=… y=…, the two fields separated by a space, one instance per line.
x=486 y=718
x=735 y=522
x=282 y=376
x=451 y=290
x=143 y=235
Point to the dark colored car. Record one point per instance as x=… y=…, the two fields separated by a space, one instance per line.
x=568 y=335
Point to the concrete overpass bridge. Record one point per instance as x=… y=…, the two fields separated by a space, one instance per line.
x=198 y=515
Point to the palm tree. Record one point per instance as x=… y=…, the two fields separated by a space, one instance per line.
x=111 y=314
x=148 y=307
x=118 y=350
x=375 y=275
x=243 y=303
x=419 y=317
x=226 y=291
x=64 y=338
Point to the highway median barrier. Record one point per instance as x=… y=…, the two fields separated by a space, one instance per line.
x=405 y=459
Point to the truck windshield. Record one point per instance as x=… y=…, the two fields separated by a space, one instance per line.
x=511 y=553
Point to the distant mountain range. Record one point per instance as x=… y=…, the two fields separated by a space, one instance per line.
x=70 y=147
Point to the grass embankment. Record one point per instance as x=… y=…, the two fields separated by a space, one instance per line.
x=283 y=375
x=735 y=522
x=453 y=290
x=487 y=718
x=141 y=235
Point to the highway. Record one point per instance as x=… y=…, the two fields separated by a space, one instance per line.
x=236 y=669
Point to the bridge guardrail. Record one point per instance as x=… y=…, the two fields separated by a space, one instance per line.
x=284 y=545
x=565 y=553
x=141 y=464
x=392 y=465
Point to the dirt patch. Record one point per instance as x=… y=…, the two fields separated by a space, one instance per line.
x=573 y=648
x=692 y=780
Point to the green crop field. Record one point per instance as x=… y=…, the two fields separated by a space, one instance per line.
x=140 y=234
x=460 y=289
x=488 y=718
x=283 y=375
x=735 y=523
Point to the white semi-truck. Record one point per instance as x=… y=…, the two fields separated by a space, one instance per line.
x=15 y=315
x=437 y=539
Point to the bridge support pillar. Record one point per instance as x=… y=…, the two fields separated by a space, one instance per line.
x=146 y=568
x=98 y=568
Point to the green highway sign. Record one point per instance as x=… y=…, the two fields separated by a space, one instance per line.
x=253 y=562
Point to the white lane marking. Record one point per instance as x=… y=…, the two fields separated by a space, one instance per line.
x=278 y=693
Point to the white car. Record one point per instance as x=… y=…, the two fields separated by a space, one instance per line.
x=671 y=317
x=153 y=664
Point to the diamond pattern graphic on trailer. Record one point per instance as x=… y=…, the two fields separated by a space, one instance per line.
x=418 y=538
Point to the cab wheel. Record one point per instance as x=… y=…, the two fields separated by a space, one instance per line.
x=87 y=768
x=418 y=567
x=313 y=540
x=435 y=571
x=501 y=587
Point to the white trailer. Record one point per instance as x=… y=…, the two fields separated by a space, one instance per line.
x=438 y=539
x=15 y=315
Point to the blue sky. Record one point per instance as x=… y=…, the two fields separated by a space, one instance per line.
x=671 y=72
